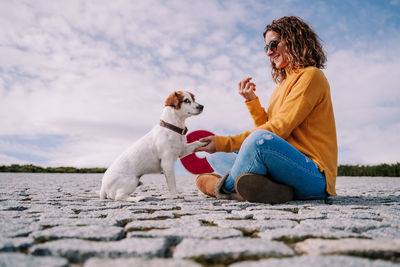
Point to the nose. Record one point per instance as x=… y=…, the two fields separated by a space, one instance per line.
x=200 y=107
x=270 y=52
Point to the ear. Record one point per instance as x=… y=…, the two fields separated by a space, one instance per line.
x=192 y=95
x=174 y=100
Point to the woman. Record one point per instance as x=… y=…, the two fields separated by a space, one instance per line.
x=292 y=151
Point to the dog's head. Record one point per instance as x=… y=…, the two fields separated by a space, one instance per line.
x=184 y=103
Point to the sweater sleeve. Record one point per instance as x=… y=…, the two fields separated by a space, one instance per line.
x=257 y=112
x=299 y=102
x=230 y=143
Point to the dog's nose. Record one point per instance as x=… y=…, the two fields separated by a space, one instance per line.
x=200 y=107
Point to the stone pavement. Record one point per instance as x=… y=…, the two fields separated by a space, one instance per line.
x=58 y=220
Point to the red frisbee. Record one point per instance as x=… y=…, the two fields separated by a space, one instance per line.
x=191 y=162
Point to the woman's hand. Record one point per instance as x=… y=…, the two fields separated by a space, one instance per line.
x=210 y=148
x=247 y=88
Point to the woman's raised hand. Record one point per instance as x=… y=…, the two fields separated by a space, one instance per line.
x=247 y=88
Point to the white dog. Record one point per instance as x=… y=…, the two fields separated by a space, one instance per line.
x=155 y=152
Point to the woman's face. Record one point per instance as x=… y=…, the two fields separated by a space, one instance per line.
x=276 y=53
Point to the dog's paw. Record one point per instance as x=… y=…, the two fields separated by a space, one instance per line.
x=200 y=144
x=203 y=144
x=135 y=199
x=175 y=196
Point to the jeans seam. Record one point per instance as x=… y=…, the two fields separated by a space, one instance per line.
x=252 y=163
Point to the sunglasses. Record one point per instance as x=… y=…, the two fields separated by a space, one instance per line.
x=272 y=46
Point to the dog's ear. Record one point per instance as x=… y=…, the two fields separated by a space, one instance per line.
x=175 y=100
x=192 y=95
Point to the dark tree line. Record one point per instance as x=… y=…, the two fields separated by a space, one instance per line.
x=389 y=170
x=37 y=169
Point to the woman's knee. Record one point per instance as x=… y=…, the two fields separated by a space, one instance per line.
x=259 y=139
x=256 y=135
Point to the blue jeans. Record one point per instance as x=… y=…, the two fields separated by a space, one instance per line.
x=267 y=154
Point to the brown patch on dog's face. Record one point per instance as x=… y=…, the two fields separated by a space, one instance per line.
x=175 y=100
x=192 y=95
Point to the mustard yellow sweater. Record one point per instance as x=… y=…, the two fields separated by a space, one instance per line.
x=300 y=111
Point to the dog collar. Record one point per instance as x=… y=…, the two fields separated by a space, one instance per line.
x=173 y=127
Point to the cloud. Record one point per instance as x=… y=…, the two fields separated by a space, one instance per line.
x=104 y=69
x=9 y=160
x=96 y=73
x=365 y=93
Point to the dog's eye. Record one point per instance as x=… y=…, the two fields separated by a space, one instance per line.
x=186 y=101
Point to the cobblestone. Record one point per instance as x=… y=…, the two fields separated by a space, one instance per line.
x=58 y=220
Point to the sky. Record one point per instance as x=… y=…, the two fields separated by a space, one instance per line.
x=80 y=81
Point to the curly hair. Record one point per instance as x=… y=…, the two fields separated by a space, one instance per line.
x=303 y=47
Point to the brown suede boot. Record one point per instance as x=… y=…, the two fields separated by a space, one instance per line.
x=211 y=185
x=258 y=188
x=206 y=183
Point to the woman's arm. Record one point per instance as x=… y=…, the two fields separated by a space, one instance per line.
x=247 y=89
x=257 y=112
x=303 y=96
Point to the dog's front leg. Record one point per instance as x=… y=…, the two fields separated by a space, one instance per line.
x=168 y=167
x=189 y=148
